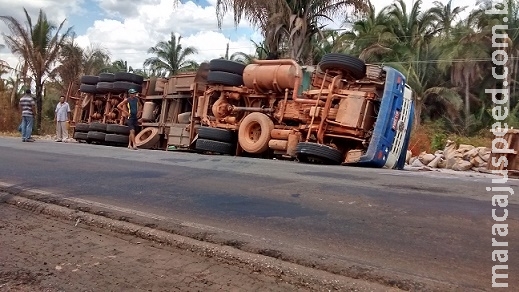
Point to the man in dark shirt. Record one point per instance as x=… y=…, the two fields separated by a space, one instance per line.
x=27 y=107
x=129 y=109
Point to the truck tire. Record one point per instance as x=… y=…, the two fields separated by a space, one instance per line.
x=307 y=151
x=147 y=138
x=118 y=129
x=96 y=136
x=88 y=88
x=106 y=77
x=89 y=79
x=115 y=138
x=129 y=77
x=213 y=146
x=254 y=133
x=354 y=66
x=123 y=86
x=104 y=87
x=215 y=134
x=224 y=78
x=97 y=127
x=81 y=128
x=226 y=66
x=81 y=136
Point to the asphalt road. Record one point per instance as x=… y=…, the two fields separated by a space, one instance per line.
x=415 y=229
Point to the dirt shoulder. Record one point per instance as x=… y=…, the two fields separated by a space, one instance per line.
x=42 y=253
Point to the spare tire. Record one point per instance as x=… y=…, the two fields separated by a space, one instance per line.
x=89 y=79
x=104 y=87
x=81 y=128
x=118 y=129
x=106 y=77
x=226 y=66
x=147 y=138
x=348 y=64
x=88 y=88
x=308 y=151
x=129 y=77
x=123 y=86
x=224 y=78
x=254 y=133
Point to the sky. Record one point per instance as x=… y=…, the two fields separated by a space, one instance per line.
x=128 y=28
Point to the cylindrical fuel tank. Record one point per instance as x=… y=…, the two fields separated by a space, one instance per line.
x=270 y=77
x=147 y=112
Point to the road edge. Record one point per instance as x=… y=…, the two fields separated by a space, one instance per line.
x=292 y=273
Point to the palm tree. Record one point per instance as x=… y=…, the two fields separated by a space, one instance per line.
x=369 y=37
x=445 y=15
x=294 y=22
x=171 y=56
x=411 y=46
x=76 y=61
x=118 y=66
x=463 y=55
x=38 y=45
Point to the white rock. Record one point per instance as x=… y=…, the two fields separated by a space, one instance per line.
x=408 y=156
x=462 y=165
x=435 y=161
x=417 y=163
x=427 y=158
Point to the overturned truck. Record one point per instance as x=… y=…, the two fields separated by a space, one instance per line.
x=342 y=111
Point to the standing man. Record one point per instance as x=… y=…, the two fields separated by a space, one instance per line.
x=28 y=108
x=61 y=118
x=129 y=109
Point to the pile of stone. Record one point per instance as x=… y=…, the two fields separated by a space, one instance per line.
x=461 y=158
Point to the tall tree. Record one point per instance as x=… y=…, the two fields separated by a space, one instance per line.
x=38 y=45
x=76 y=61
x=296 y=21
x=171 y=56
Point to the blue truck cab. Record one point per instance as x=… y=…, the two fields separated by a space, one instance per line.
x=390 y=140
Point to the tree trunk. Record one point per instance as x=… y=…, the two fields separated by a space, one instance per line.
x=39 y=105
x=15 y=89
x=467 y=99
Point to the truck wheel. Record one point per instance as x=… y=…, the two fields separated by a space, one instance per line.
x=129 y=77
x=123 y=86
x=213 y=146
x=215 y=134
x=355 y=66
x=97 y=127
x=82 y=127
x=226 y=66
x=89 y=79
x=96 y=136
x=106 y=77
x=307 y=152
x=224 y=78
x=119 y=139
x=88 y=88
x=147 y=138
x=104 y=87
x=118 y=129
x=254 y=133
x=80 y=136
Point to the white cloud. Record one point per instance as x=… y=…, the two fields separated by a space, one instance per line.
x=55 y=10
x=153 y=21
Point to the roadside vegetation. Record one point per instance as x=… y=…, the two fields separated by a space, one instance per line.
x=446 y=58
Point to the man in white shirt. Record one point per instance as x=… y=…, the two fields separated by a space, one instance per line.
x=61 y=117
